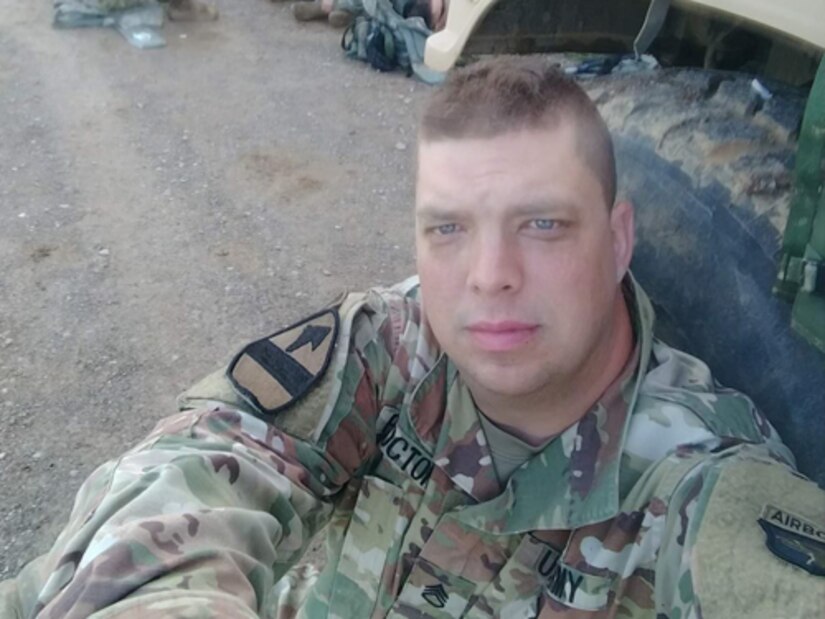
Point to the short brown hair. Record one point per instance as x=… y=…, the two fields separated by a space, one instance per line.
x=504 y=94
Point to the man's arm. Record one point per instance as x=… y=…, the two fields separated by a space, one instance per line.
x=208 y=512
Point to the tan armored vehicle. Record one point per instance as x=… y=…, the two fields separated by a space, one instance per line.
x=801 y=21
x=721 y=147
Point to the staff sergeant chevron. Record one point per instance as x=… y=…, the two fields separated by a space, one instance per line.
x=436 y=595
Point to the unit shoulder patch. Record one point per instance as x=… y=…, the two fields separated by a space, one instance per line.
x=275 y=372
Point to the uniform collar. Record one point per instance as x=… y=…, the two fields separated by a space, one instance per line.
x=574 y=481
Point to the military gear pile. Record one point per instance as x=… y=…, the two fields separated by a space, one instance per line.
x=139 y=21
x=385 y=37
x=79 y=13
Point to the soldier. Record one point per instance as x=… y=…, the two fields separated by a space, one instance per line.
x=506 y=438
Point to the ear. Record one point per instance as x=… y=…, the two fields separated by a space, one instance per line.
x=622 y=227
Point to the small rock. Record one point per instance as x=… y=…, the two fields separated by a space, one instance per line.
x=37 y=455
x=326 y=272
x=400 y=146
x=62 y=206
x=21 y=215
x=103 y=252
x=3 y=455
x=183 y=36
x=339 y=227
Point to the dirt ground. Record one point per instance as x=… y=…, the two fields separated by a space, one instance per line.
x=160 y=208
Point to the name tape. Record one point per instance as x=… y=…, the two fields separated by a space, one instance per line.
x=560 y=581
x=407 y=456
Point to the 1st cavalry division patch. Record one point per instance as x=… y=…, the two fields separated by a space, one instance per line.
x=278 y=370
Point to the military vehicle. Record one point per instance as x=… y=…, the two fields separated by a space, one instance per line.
x=722 y=150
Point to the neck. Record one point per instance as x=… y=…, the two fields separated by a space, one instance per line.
x=564 y=400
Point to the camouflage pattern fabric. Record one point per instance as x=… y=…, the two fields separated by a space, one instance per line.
x=207 y=516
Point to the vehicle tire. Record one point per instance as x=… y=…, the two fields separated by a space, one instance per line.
x=708 y=165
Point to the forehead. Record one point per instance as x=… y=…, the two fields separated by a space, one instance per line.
x=518 y=144
x=516 y=167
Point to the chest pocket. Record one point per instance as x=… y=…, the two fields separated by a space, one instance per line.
x=432 y=592
x=463 y=573
x=371 y=546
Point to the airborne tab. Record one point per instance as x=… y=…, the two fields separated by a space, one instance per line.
x=794 y=540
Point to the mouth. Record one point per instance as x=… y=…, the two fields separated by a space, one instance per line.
x=501 y=336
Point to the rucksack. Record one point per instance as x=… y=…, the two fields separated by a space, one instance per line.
x=387 y=40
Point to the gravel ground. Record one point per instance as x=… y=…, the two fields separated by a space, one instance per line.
x=160 y=208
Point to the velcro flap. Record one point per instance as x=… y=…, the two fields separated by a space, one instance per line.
x=756 y=546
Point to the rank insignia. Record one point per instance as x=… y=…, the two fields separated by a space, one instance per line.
x=436 y=595
x=276 y=371
x=794 y=540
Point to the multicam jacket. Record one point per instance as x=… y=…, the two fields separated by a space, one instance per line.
x=208 y=515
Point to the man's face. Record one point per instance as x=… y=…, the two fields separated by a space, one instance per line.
x=520 y=258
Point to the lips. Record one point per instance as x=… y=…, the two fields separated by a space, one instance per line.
x=501 y=336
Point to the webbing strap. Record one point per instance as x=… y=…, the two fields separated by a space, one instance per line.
x=654 y=20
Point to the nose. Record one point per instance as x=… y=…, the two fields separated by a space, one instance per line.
x=495 y=266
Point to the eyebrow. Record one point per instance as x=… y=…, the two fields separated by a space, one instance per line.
x=433 y=212
x=544 y=208
x=436 y=213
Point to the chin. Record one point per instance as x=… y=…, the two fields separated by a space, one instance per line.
x=511 y=381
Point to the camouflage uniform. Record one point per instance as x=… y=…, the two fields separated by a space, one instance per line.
x=206 y=517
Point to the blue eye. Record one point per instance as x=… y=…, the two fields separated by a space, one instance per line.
x=544 y=224
x=445 y=229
